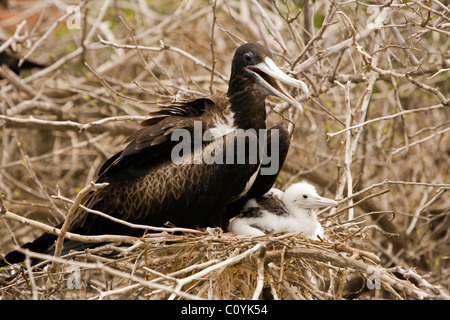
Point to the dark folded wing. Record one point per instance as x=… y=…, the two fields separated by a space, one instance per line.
x=154 y=138
x=185 y=194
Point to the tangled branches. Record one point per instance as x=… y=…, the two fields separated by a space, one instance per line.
x=221 y=266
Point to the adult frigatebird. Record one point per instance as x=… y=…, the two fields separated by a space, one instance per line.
x=145 y=184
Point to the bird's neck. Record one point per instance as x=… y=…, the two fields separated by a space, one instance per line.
x=302 y=213
x=247 y=105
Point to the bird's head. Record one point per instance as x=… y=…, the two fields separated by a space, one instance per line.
x=303 y=195
x=252 y=63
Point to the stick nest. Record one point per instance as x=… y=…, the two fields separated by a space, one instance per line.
x=218 y=265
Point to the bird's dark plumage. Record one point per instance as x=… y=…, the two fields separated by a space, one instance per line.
x=147 y=187
x=11 y=60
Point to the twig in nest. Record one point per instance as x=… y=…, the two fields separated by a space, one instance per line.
x=71 y=215
x=260 y=273
x=225 y=263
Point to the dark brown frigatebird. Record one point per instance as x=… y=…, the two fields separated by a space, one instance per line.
x=147 y=186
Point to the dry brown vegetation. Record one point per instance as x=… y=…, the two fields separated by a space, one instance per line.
x=374 y=135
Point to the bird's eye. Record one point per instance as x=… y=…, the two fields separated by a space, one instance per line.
x=248 y=57
x=305 y=196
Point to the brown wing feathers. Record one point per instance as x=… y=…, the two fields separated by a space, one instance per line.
x=184 y=194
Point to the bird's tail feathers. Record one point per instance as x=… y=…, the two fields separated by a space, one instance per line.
x=45 y=244
x=41 y=244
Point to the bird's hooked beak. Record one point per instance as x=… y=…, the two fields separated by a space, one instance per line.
x=270 y=76
x=321 y=202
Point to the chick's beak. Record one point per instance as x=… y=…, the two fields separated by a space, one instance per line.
x=321 y=202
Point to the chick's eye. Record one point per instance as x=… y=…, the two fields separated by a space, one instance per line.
x=248 y=57
x=305 y=196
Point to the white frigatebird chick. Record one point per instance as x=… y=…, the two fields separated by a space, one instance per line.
x=146 y=186
x=291 y=211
